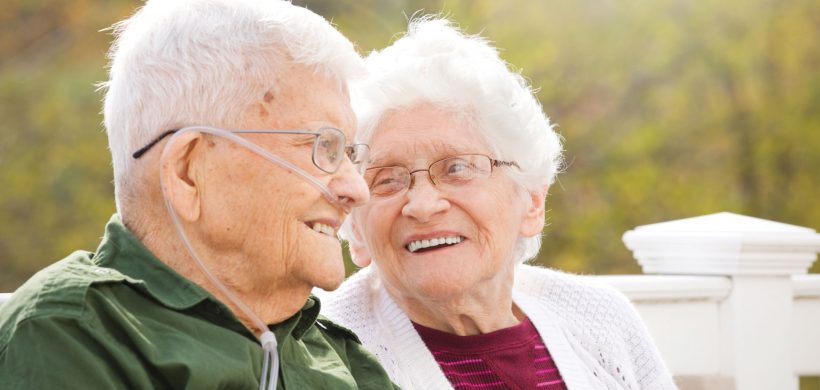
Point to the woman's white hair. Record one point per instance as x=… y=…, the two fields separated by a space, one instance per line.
x=190 y=62
x=436 y=63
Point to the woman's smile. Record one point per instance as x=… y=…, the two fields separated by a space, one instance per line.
x=427 y=245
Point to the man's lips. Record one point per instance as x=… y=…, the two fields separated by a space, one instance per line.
x=326 y=227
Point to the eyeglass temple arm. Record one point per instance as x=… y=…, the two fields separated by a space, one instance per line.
x=316 y=133
x=150 y=145
x=499 y=163
x=146 y=148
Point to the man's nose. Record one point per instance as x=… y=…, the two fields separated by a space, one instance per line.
x=349 y=185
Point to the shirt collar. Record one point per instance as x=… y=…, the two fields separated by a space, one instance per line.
x=300 y=322
x=122 y=251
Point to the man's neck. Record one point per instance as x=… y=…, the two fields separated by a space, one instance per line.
x=271 y=305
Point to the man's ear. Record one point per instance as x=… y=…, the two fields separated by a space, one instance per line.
x=358 y=251
x=178 y=172
x=533 y=221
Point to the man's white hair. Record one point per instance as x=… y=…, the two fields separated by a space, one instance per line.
x=436 y=63
x=204 y=62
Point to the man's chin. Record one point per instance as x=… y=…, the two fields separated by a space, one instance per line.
x=330 y=285
x=324 y=269
x=331 y=280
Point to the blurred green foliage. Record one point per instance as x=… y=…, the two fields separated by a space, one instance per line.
x=669 y=109
x=809 y=383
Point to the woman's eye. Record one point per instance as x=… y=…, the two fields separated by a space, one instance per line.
x=384 y=181
x=457 y=167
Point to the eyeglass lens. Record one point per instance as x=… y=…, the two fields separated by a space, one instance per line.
x=330 y=149
x=359 y=154
x=452 y=171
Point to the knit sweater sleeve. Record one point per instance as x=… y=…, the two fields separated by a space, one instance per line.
x=648 y=365
x=604 y=324
x=352 y=306
x=651 y=370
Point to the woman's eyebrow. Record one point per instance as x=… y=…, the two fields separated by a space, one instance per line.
x=384 y=161
x=444 y=150
x=435 y=149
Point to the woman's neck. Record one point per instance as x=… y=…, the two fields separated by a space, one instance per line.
x=484 y=308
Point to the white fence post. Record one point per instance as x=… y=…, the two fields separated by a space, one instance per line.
x=760 y=257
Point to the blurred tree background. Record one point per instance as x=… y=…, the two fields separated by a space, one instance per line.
x=669 y=109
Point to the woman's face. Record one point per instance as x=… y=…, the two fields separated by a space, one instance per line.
x=487 y=215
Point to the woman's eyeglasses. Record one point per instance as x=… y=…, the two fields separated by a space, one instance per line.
x=329 y=148
x=452 y=171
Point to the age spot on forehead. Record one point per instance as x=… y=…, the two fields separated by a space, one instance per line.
x=268 y=97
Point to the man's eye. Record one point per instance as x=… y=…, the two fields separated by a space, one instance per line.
x=325 y=144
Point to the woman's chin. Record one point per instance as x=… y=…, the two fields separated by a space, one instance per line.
x=437 y=289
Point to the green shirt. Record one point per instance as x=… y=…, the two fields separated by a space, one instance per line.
x=121 y=318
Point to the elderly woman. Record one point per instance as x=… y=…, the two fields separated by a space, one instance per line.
x=462 y=156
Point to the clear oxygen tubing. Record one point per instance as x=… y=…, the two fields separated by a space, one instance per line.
x=270 y=362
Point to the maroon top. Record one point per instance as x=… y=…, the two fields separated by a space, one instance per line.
x=511 y=358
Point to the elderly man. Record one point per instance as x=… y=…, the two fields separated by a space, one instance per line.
x=228 y=124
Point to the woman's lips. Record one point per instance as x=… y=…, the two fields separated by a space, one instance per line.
x=434 y=242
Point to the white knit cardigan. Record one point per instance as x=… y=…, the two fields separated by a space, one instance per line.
x=592 y=331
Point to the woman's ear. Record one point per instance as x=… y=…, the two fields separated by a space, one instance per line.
x=358 y=251
x=533 y=221
x=179 y=175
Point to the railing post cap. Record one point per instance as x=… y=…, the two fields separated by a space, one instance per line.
x=723 y=244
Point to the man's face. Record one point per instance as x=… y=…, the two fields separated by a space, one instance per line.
x=263 y=218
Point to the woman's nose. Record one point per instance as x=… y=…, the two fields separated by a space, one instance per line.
x=424 y=200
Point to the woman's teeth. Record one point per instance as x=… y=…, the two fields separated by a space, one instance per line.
x=324 y=229
x=422 y=244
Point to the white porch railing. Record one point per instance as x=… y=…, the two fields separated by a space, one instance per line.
x=727 y=300
x=734 y=308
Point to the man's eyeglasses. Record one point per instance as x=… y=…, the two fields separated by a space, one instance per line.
x=329 y=148
x=452 y=171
